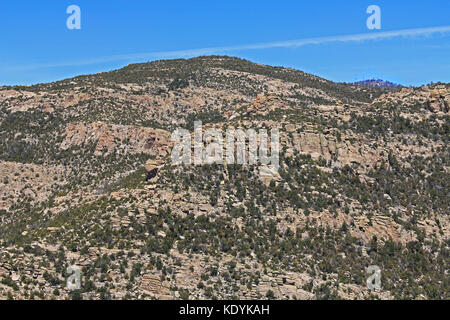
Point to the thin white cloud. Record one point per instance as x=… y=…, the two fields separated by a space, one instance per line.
x=405 y=33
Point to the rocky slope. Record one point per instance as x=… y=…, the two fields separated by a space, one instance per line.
x=87 y=180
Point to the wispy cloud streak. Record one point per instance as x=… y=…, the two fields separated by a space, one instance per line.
x=405 y=33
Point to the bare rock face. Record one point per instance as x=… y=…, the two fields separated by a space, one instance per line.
x=109 y=138
x=344 y=152
x=263 y=104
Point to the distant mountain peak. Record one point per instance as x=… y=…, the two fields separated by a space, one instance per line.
x=376 y=83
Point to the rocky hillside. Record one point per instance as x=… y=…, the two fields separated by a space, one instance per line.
x=86 y=179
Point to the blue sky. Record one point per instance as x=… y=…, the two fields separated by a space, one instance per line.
x=36 y=45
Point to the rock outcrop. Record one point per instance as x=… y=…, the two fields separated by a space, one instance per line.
x=110 y=138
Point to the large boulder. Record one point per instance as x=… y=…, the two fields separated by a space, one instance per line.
x=268 y=173
x=152 y=166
